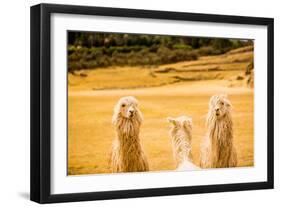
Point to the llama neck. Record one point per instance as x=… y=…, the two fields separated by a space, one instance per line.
x=220 y=134
x=181 y=141
x=128 y=135
x=127 y=127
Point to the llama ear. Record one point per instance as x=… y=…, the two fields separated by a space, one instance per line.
x=114 y=119
x=229 y=105
x=171 y=120
x=140 y=116
x=115 y=113
x=188 y=122
x=212 y=99
x=227 y=102
x=135 y=100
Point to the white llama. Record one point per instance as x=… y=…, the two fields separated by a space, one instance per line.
x=127 y=153
x=181 y=134
x=217 y=150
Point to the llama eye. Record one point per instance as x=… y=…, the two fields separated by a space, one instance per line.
x=222 y=103
x=123 y=105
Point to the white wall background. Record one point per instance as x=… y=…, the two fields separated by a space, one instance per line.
x=14 y=102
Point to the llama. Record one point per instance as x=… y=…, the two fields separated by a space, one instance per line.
x=217 y=150
x=181 y=134
x=127 y=153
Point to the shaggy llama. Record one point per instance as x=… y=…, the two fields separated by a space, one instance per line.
x=127 y=153
x=217 y=150
x=181 y=134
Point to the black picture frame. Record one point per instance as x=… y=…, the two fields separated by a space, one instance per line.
x=41 y=99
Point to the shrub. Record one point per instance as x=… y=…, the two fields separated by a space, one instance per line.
x=81 y=57
x=182 y=46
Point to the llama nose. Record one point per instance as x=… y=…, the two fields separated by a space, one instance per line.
x=217 y=109
x=131 y=111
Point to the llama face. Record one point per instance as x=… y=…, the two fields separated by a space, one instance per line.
x=182 y=123
x=219 y=105
x=127 y=107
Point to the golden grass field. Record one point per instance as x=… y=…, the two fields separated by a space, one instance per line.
x=169 y=90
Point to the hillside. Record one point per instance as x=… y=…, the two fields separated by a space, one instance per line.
x=231 y=66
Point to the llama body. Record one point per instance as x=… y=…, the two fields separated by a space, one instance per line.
x=127 y=152
x=217 y=149
x=181 y=134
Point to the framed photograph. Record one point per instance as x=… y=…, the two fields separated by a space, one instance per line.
x=132 y=103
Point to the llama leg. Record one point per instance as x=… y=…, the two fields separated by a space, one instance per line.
x=233 y=159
